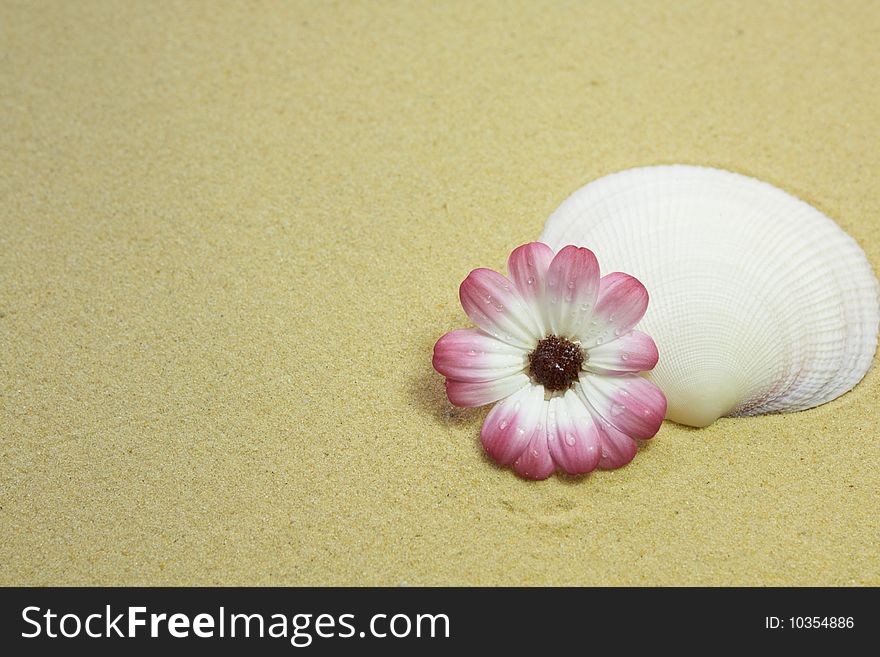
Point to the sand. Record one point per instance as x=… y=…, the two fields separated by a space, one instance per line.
x=232 y=232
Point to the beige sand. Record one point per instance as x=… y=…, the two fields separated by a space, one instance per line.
x=231 y=235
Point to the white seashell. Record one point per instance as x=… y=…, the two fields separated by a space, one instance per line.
x=759 y=302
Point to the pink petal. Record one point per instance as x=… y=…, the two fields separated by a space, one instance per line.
x=472 y=355
x=571 y=291
x=629 y=402
x=494 y=304
x=510 y=425
x=478 y=393
x=621 y=305
x=618 y=449
x=633 y=352
x=536 y=462
x=573 y=436
x=527 y=268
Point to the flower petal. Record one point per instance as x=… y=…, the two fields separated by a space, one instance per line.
x=571 y=291
x=573 y=436
x=618 y=449
x=633 y=352
x=493 y=304
x=472 y=355
x=478 y=393
x=510 y=425
x=621 y=305
x=536 y=462
x=527 y=268
x=628 y=402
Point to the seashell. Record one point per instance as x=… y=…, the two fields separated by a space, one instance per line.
x=759 y=302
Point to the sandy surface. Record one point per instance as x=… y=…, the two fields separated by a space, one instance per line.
x=231 y=235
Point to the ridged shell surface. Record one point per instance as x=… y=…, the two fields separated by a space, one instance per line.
x=759 y=303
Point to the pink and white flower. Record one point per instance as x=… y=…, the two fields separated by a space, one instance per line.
x=557 y=350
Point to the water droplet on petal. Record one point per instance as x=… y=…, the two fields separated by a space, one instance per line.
x=599 y=340
x=585 y=306
x=569 y=440
x=570 y=284
x=624 y=356
x=534 y=452
x=502 y=425
x=530 y=280
x=617 y=409
x=617 y=331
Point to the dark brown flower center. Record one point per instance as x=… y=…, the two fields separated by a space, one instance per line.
x=556 y=362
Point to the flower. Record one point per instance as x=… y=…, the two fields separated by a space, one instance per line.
x=557 y=350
